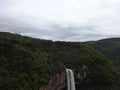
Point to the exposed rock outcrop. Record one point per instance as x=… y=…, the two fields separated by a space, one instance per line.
x=56 y=83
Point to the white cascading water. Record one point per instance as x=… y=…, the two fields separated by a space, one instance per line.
x=70 y=79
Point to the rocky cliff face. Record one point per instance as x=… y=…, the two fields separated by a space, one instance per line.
x=56 y=83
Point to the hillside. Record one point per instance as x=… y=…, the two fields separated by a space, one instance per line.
x=110 y=48
x=27 y=63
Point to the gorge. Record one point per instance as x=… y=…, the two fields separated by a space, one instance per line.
x=30 y=64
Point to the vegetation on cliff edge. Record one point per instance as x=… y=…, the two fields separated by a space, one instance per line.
x=27 y=63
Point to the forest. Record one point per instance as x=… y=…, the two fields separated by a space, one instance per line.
x=29 y=63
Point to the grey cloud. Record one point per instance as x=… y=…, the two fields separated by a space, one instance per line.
x=55 y=32
x=65 y=20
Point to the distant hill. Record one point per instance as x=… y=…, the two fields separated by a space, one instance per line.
x=110 y=48
x=27 y=63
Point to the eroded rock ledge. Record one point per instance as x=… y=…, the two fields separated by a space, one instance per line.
x=56 y=83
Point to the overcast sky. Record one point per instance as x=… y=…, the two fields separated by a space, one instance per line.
x=65 y=20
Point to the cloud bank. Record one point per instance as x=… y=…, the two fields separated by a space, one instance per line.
x=65 y=20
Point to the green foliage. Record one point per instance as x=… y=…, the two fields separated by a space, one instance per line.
x=27 y=63
x=110 y=48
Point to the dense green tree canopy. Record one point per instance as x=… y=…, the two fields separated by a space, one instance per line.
x=27 y=63
x=110 y=48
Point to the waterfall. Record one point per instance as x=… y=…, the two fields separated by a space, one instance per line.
x=70 y=79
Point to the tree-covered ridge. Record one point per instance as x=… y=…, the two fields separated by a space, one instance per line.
x=27 y=63
x=110 y=48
